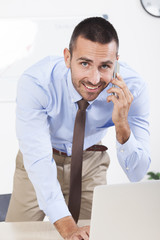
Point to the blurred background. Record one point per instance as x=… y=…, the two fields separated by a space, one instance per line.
x=33 y=29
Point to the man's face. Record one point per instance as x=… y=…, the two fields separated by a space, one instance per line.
x=91 y=65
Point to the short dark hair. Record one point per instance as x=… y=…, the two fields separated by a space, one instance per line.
x=96 y=29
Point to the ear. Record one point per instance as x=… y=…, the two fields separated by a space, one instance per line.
x=67 y=57
x=117 y=57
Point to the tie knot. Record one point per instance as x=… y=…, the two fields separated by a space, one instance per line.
x=82 y=104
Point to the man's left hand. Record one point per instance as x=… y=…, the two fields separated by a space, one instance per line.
x=122 y=99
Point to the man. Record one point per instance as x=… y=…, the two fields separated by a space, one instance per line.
x=46 y=109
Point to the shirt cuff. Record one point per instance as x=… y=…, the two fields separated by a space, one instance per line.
x=133 y=159
x=57 y=211
x=125 y=150
x=128 y=147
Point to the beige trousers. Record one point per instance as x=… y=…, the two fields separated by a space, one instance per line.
x=23 y=204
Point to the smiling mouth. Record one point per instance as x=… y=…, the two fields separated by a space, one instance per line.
x=91 y=87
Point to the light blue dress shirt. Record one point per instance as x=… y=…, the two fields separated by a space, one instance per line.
x=45 y=115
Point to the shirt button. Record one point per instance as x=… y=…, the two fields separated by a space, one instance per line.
x=122 y=150
x=127 y=168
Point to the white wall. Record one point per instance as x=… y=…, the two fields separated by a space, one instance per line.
x=139 y=35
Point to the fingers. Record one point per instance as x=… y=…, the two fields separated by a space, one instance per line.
x=82 y=233
x=122 y=92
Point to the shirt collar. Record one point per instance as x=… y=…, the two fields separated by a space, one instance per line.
x=75 y=96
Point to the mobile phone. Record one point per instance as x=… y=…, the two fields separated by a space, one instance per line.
x=116 y=70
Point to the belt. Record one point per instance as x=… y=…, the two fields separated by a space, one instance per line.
x=95 y=148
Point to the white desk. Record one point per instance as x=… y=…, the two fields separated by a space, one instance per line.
x=31 y=230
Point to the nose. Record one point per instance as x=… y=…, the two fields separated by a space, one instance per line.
x=95 y=76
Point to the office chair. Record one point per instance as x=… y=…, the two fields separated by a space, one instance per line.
x=4 y=203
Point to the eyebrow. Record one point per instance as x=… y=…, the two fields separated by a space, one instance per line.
x=84 y=59
x=89 y=60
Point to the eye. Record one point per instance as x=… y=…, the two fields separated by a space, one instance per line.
x=104 y=66
x=84 y=64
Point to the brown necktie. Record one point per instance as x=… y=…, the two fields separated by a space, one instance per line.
x=76 y=162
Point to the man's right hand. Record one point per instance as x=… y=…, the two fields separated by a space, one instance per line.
x=70 y=231
x=82 y=233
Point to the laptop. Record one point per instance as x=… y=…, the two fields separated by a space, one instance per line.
x=128 y=211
